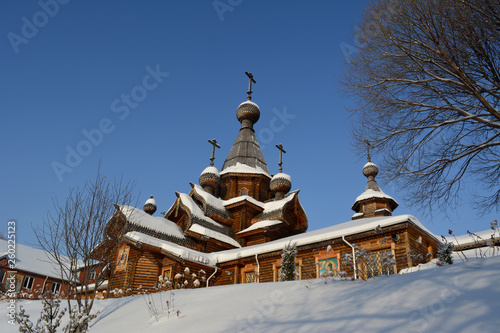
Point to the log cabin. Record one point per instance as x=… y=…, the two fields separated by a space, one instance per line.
x=233 y=225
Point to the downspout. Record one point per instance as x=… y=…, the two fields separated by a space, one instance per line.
x=43 y=287
x=211 y=276
x=258 y=268
x=353 y=256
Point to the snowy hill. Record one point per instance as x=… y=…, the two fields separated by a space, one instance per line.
x=464 y=297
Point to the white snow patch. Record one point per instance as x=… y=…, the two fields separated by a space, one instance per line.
x=260 y=225
x=371 y=194
x=91 y=286
x=470 y=239
x=283 y=176
x=275 y=205
x=151 y=201
x=243 y=198
x=199 y=229
x=447 y=299
x=210 y=169
x=243 y=168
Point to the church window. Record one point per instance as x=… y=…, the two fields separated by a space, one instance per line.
x=249 y=277
x=167 y=274
x=92 y=274
x=244 y=192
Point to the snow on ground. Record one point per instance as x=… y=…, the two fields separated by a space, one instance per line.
x=464 y=297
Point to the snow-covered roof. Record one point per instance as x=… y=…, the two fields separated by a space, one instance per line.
x=283 y=176
x=31 y=259
x=210 y=169
x=275 y=205
x=248 y=102
x=470 y=239
x=244 y=168
x=91 y=286
x=371 y=194
x=199 y=229
x=325 y=234
x=243 y=198
x=140 y=218
x=150 y=201
x=188 y=202
x=211 y=200
x=177 y=250
x=260 y=225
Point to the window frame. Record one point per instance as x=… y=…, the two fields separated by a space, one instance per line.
x=28 y=282
x=58 y=287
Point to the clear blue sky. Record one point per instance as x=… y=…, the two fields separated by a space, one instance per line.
x=70 y=70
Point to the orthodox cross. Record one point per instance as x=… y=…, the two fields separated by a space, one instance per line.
x=368 y=146
x=280 y=147
x=214 y=144
x=250 y=80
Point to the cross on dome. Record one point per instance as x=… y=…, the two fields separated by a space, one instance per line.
x=368 y=146
x=214 y=144
x=250 y=80
x=280 y=164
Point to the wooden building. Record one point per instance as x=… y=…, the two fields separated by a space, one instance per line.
x=25 y=272
x=233 y=226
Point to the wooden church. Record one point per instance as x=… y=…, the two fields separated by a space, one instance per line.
x=233 y=225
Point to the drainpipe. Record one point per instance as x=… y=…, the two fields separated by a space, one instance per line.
x=43 y=287
x=211 y=276
x=258 y=268
x=353 y=256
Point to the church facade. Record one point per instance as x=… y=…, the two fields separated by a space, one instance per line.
x=233 y=225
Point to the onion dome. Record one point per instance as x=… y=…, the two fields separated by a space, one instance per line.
x=370 y=170
x=248 y=113
x=281 y=184
x=209 y=179
x=150 y=206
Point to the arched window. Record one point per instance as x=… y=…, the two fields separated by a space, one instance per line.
x=244 y=192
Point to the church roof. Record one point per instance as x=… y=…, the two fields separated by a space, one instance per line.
x=206 y=224
x=320 y=235
x=260 y=225
x=245 y=155
x=156 y=226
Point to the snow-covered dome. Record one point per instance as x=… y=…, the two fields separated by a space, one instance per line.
x=210 y=178
x=370 y=169
x=281 y=182
x=248 y=110
x=150 y=206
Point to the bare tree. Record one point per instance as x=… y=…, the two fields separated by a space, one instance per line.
x=73 y=235
x=426 y=81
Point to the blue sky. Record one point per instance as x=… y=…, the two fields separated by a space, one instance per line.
x=68 y=71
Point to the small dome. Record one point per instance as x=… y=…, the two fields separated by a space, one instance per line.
x=370 y=169
x=281 y=183
x=210 y=177
x=150 y=206
x=248 y=110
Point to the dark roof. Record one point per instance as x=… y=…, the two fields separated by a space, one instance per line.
x=246 y=150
